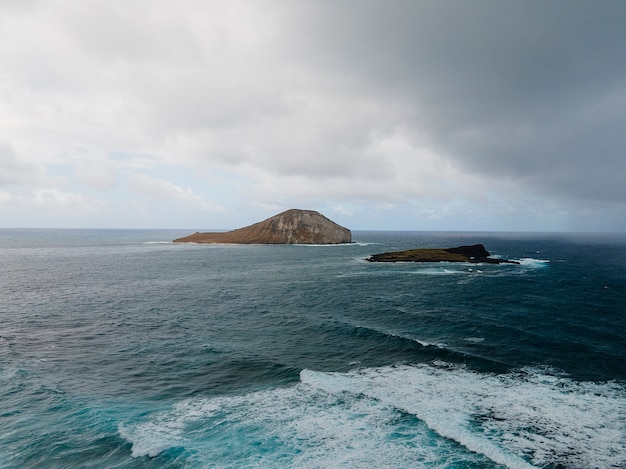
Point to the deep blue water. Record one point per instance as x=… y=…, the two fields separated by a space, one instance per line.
x=120 y=349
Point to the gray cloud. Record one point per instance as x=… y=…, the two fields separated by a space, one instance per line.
x=440 y=105
x=528 y=90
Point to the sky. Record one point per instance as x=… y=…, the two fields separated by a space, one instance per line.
x=482 y=115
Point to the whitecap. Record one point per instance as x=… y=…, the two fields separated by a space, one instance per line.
x=330 y=245
x=518 y=420
x=438 y=415
x=437 y=271
x=298 y=427
x=474 y=340
x=150 y=439
x=536 y=263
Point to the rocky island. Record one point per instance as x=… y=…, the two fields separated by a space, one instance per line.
x=290 y=227
x=475 y=253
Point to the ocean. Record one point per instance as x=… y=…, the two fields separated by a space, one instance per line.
x=121 y=349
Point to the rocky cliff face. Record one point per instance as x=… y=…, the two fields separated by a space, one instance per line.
x=291 y=227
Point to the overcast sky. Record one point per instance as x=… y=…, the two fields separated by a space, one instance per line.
x=389 y=114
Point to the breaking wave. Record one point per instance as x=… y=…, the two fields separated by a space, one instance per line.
x=400 y=416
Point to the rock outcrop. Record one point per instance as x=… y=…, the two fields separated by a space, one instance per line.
x=290 y=227
x=475 y=253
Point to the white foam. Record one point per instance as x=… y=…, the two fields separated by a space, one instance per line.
x=299 y=427
x=536 y=263
x=437 y=271
x=398 y=416
x=150 y=439
x=423 y=343
x=442 y=268
x=444 y=417
x=517 y=420
x=334 y=245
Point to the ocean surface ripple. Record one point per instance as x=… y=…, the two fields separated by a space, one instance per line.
x=121 y=349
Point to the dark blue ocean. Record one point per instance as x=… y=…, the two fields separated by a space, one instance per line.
x=120 y=349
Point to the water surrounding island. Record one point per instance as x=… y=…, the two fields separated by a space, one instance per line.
x=120 y=349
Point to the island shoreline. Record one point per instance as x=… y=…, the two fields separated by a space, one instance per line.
x=475 y=254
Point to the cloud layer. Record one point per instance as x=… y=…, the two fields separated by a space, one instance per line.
x=401 y=115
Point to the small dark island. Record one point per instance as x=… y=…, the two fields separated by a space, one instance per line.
x=475 y=253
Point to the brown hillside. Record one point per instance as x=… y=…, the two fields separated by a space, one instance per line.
x=290 y=227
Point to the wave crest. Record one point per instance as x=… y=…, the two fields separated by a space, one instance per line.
x=438 y=414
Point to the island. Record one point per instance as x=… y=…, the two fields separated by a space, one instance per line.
x=475 y=253
x=293 y=226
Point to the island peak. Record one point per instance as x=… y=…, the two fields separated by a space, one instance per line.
x=294 y=226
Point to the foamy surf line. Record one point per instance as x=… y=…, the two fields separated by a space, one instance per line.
x=361 y=418
x=333 y=245
x=508 y=418
x=530 y=262
x=447 y=421
x=296 y=427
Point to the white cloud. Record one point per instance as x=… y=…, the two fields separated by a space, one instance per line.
x=98 y=173
x=5 y=198
x=165 y=190
x=16 y=171
x=66 y=202
x=51 y=202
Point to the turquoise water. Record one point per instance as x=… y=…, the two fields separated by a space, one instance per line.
x=121 y=349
